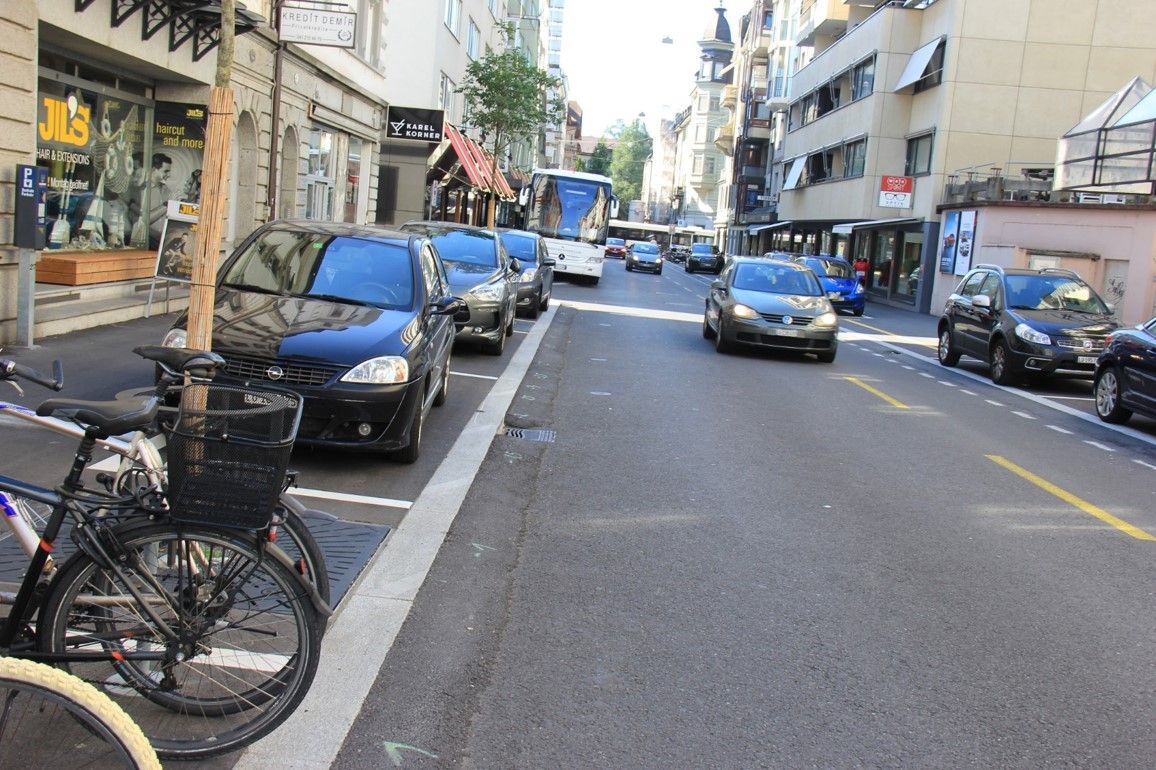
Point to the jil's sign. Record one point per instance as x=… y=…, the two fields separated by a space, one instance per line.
x=64 y=121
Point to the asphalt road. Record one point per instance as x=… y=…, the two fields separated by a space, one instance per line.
x=743 y=560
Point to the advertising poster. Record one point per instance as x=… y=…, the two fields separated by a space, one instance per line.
x=964 y=245
x=950 y=235
x=175 y=256
x=174 y=172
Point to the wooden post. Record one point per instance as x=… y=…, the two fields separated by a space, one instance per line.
x=214 y=194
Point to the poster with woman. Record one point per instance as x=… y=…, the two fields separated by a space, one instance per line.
x=965 y=245
x=947 y=243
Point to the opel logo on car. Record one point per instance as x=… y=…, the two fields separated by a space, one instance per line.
x=787 y=320
x=274 y=372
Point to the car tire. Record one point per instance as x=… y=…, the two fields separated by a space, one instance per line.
x=707 y=332
x=948 y=355
x=687 y=268
x=444 y=389
x=628 y=268
x=658 y=271
x=1001 y=366
x=498 y=346
x=827 y=357
x=594 y=281
x=858 y=311
x=1107 y=392
x=510 y=324
x=409 y=453
x=721 y=343
x=544 y=302
x=535 y=305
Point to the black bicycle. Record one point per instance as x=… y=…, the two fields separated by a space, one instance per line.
x=177 y=606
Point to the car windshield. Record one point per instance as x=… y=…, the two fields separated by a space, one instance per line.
x=832 y=268
x=1052 y=292
x=521 y=247
x=315 y=264
x=776 y=279
x=645 y=248
x=702 y=248
x=615 y=242
x=472 y=248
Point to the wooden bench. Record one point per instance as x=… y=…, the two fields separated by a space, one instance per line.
x=75 y=268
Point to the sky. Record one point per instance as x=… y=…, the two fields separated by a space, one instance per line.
x=617 y=64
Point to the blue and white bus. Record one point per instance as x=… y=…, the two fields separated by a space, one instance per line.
x=572 y=211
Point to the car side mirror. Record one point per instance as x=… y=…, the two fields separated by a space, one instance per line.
x=548 y=262
x=981 y=301
x=448 y=306
x=515 y=266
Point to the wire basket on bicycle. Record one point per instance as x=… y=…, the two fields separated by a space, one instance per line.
x=228 y=453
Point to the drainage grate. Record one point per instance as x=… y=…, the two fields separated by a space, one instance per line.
x=532 y=434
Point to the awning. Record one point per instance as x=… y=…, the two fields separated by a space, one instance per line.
x=917 y=64
x=461 y=145
x=773 y=226
x=492 y=177
x=795 y=172
x=871 y=224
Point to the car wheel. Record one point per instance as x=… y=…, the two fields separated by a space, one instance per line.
x=628 y=268
x=827 y=357
x=687 y=268
x=535 y=305
x=594 y=281
x=1107 y=390
x=858 y=311
x=444 y=385
x=721 y=343
x=658 y=271
x=544 y=301
x=948 y=355
x=410 y=452
x=498 y=346
x=707 y=332
x=1001 y=366
x=510 y=324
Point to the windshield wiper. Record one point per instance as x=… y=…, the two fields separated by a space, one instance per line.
x=251 y=287
x=338 y=298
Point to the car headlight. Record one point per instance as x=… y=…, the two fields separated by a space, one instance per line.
x=827 y=320
x=742 y=311
x=490 y=292
x=176 y=338
x=528 y=275
x=1025 y=332
x=385 y=370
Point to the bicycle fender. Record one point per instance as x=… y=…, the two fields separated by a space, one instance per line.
x=319 y=604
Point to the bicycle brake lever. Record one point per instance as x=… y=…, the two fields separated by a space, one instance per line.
x=16 y=385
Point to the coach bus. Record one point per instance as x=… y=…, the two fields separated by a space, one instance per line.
x=572 y=211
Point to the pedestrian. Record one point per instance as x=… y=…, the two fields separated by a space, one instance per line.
x=861 y=268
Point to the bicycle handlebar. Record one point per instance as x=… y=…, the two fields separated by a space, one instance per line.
x=12 y=370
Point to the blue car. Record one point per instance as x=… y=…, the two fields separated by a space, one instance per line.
x=839 y=281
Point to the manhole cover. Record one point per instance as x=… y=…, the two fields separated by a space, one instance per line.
x=532 y=434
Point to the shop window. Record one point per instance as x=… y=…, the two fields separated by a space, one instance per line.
x=319 y=176
x=353 y=180
x=918 y=155
x=933 y=75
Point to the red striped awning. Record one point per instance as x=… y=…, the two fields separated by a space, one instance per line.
x=493 y=176
x=462 y=145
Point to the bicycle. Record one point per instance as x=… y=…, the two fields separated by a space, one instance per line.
x=201 y=630
x=142 y=469
x=58 y=720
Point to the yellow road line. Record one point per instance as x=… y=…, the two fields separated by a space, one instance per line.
x=1071 y=499
x=877 y=392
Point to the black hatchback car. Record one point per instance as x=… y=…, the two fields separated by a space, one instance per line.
x=1022 y=322
x=355 y=319
x=1126 y=374
x=704 y=257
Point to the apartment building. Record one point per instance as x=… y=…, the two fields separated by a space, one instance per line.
x=898 y=99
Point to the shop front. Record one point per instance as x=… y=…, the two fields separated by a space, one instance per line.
x=892 y=253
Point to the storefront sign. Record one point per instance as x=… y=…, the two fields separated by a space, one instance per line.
x=28 y=227
x=895 y=192
x=414 y=123
x=309 y=26
x=175 y=258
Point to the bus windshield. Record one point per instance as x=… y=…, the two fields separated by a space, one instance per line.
x=569 y=208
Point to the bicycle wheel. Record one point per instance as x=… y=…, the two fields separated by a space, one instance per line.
x=33 y=512
x=300 y=545
x=34 y=701
x=245 y=641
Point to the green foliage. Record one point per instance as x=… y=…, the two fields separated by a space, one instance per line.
x=628 y=160
x=599 y=162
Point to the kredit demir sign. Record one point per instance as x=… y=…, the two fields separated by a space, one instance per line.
x=308 y=26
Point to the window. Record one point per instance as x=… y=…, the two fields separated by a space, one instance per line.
x=473 y=40
x=454 y=16
x=818 y=167
x=699 y=134
x=854 y=158
x=319 y=176
x=698 y=164
x=493 y=6
x=353 y=179
x=708 y=165
x=863 y=79
x=446 y=97
x=713 y=104
x=933 y=75
x=918 y=155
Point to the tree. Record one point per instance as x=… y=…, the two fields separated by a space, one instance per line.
x=631 y=151
x=508 y=98
x=599 y=162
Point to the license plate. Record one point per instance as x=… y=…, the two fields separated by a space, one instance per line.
x=1086 y=359
x=787 y=332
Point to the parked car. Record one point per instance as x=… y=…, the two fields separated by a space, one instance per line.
x=536 y=280
x=644 y=255
x=1040 y=322
x=357 y=320
x=480 y=272
x=839 y=281
x=771 y=304
x=705 y=257
x=1125 y=379
x=615 y=248
x=678 y=254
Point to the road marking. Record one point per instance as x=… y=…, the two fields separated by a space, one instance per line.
x=948 y=384
x=475 y=376
x=928 y=376
x=347 y=497
x=1072 y=500
x=993 y=403
x=1058 y=429
x=601 y=393
x=1024 y=415
x=877 y=392
x=599 y=359
x=1146 y=465
x=1098 y=445
x=968 y=392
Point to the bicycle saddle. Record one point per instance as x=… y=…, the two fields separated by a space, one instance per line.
x=110 y=418
x=199 y=363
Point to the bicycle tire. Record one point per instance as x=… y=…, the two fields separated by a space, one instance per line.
x=302 y=547
x=98 y=733
x=250 y=635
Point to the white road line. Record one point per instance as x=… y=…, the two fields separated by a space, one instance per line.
x=1098 y=445
x=475 y=376
x=928 y=376
x=1024 y=415
x=948 y=384
x=1058 y=429
x=993 y=403
x=968 y=392
x=601 y=393
x=346 y=497
x=1146 y=465
x=375 y=608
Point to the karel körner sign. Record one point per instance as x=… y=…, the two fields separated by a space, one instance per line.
x=414 y=123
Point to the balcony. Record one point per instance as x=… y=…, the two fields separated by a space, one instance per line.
x=752 y=174
x=820 y=19
x=725 y=138
x=778 y=94
x=729 y=96
x=757 y=128
x=761 y=44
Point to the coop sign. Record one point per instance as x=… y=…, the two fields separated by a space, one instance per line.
x=895 y=192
